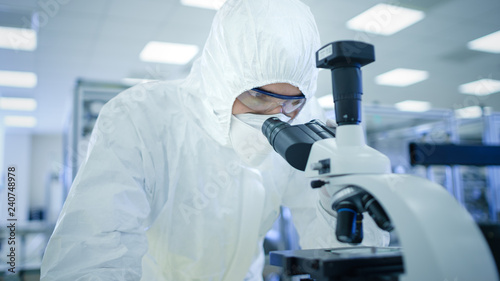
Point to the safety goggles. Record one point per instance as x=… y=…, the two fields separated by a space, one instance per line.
x=262 y=101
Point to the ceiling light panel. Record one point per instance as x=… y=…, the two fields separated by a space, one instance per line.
x=22 y=104
x=385 y=19
x=172 y=53
x=206 y=4
x=413 y=106
x=18 y=79
x=489 y=43
x=20 y=121
x=481 y=87
x=18 y=38
x=469 y=112
x=401 y=77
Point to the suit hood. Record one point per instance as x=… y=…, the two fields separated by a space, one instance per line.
x=251 y=44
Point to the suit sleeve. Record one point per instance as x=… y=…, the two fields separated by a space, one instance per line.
x=100 y=233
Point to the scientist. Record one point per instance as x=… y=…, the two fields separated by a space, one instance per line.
x=179 y=183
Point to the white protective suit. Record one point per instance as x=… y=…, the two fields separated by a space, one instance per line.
x=162 y=195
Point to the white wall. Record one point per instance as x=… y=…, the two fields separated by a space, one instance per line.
x=35 y=158
x=46 y=158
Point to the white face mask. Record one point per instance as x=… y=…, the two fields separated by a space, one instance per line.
x=247 y=138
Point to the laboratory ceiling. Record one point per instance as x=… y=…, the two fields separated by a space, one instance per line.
x=101 y=40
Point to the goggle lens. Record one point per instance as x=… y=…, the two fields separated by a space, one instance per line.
x=262 y=102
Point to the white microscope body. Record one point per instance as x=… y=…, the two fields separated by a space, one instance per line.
x=439 y=238
x=440 y=241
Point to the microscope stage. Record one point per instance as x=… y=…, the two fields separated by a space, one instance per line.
x=350 y=263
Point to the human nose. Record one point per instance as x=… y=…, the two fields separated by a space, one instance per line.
x=277 y=109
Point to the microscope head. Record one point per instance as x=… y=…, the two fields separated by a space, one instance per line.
x=294 y=143
x=340 y=53
x=323 y=153
x=344 y=59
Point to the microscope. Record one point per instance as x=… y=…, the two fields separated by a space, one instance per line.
x=439 y=239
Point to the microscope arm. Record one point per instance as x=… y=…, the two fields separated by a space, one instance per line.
x=440 y=240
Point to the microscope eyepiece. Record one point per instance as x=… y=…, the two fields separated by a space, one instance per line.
x=294 y=142
x=272 y=127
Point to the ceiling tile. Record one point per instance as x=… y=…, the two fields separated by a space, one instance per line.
x=95 y=7
x=122 y=28
x=102 y=39
x=73 y=21
x=16 y=60
x=152 y=11
x=64 y=41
